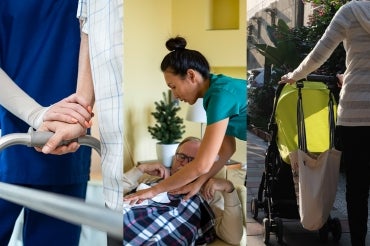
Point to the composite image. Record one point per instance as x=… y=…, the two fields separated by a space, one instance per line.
x=184 y=122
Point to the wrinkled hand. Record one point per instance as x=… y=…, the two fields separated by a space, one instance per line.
x=62 y=131
x=140 y=196
x=154 y=169
x=216 y=184
x=188 y=190
x=72 y=109
x=285 y=80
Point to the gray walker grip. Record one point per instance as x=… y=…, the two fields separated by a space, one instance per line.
x=38 y=139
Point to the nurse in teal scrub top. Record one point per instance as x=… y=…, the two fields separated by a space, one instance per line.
x=187 y=74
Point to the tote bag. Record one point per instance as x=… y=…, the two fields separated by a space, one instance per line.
x=315 y=176
x=317 y=179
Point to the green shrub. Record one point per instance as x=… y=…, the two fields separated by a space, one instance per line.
x=169 y=127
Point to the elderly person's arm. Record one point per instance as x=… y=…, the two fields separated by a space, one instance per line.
x=131 y=178
x=85 y=90
x=224 y=201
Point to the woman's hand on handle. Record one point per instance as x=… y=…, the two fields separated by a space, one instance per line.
x=285 y=79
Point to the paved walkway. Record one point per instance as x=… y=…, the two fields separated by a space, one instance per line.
x=294 y=233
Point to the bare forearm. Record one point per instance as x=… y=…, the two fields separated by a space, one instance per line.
x=217 y=166
x=226 y=151
x=85 y=87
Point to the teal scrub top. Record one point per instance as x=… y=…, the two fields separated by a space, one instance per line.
x=227 y=98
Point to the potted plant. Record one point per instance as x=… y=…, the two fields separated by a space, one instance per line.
x=168 y=129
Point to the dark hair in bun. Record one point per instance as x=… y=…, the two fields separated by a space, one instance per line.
x=180 y=59
x=177 y=43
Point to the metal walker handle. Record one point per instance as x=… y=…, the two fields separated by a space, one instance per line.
x=67 y=208
x=38 y=139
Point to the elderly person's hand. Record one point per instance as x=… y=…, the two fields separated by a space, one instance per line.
x=154 y=169
x=216 y=184
x=72 y=109
x=62 y=131
x=285 y=79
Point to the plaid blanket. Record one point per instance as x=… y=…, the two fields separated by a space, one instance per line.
x=179 y=222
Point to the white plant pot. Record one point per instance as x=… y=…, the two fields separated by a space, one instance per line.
x=166 y=152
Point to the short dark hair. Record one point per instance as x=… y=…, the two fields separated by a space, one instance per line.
x=180 y=59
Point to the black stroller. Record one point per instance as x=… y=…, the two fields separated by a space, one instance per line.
x=276 y=193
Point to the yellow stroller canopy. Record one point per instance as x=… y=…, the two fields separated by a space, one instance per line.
x=315 y=97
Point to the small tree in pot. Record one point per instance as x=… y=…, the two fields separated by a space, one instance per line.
x=168 y=129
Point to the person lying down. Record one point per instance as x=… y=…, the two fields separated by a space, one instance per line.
x=214 y=212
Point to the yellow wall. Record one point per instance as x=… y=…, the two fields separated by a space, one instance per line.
x=222 y=48
x=147 y=26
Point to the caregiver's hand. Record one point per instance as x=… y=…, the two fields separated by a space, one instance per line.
x=62 y=131
x=72 y=109
x=140 y=196
x=188 y=190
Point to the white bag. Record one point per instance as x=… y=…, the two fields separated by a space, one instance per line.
x=317 y=180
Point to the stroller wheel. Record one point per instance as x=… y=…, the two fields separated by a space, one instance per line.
x=336 y=229
x=324 y=233
x=254 y=208
x=279 y=229
x=266 y=231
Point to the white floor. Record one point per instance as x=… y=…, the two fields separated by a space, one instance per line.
x=89 y=236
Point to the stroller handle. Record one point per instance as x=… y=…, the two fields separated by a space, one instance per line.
x=330 y=81
x=38 y=139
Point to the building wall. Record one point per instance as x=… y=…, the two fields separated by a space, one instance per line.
x=287 y=10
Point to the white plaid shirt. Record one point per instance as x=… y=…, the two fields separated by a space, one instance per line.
x=103 y=22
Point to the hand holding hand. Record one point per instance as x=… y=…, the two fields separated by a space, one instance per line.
x=72 y=109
